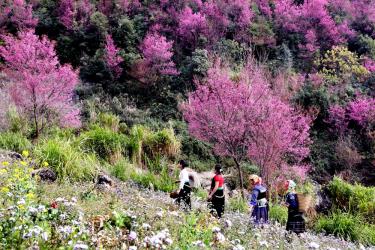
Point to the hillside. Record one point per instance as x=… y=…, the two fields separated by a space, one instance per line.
x=129 y=89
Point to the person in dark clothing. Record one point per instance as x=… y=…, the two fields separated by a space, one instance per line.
x=216 y=196
x=296 y=222
x=185 y=188
x=257 y=201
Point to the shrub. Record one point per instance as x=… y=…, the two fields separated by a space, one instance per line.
x=162 y=182
x=67 y=160
x=14 y=142
x=104 y=142
x=122 y=170
x=109 y=121
x=163 y=142
x=237 y=204
x=278 y=213
x=340 y=224
x=353 y=198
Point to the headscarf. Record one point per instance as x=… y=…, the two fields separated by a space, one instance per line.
x=255 y=178
x=291 y=185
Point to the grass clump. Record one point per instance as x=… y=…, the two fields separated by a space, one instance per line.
x=14 y=142
x=238 y=204
x=105 y=143
x=67 y=160
x=353 y=199
x=278 y=213
x=122 y=170
x=340 y=224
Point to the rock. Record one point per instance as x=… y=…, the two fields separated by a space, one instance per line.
x=10 y=156
x=104 y=180
x=323 y=201
x=45 y=174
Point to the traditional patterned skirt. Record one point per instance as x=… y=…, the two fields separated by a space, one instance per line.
x=296 y=222
x=260 y=214
x=217 y=203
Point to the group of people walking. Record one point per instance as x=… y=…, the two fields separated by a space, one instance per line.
x=257 y=200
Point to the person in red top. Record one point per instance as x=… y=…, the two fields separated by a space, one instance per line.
x=216 y=195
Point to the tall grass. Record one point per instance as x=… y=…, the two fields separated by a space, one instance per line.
x=355 y=199
x=108 y=145
x=278 y=213
x=14 y=142
x=237 y=204
x=67 y=160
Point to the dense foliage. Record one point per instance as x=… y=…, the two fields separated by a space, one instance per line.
x=141 y=59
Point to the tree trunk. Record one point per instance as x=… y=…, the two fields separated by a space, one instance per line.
x=36 y=124
x=241 y=177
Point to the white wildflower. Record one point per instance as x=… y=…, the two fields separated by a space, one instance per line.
x=228 y=224
x=21 y=202
x=168 y=241
x=33 y=210
x=80 y=246
x=41 y=208
x=74 y=199
x=314 y=245
x=216 y=229
x=159 y=214
x=238 y=247
x=45 y=236
x=146 y=226
x=59 y=199
x=220 y=237
x=198 y=243
x=132 y=236
x=263 y=243
x=132 y=248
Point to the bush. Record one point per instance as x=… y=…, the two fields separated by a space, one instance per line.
x=353 y=198
x=67 y=160
x=105 y=143
x=162 y=182
x=14 y=142
x=122 y=170
x=340 y=224
x=278 y=213
x=237 y=204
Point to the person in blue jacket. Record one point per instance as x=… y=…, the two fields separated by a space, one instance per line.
x=257 y=201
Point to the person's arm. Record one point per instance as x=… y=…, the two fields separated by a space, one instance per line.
x=253 y=199
x=213 y=190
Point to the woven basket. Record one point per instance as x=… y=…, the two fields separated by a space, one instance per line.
x=304 y=202
x=173 y=194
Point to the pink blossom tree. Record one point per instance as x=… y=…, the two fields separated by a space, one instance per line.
x=312 y=20
x=157 y=56
x=191 y=26
x=66 y=11
x=19 y=13
x=40 y=86
x=360 y=111
x=244 y=120
x=111 y=56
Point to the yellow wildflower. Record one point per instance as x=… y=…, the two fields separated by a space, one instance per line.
x=23 y=163
x=30 y=196
x=3 y=171
x=45 y=164
x=5 y=163
x=25 y=153
x=4 y=190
